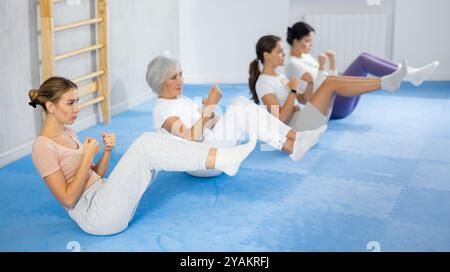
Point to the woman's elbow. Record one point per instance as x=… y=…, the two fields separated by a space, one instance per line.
x=69 y=202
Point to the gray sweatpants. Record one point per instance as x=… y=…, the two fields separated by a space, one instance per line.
x=108 y=206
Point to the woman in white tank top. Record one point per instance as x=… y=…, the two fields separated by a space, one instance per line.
x=281 y=96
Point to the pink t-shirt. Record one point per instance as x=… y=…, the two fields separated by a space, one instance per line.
x=49 y=157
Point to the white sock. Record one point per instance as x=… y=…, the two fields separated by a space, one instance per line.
x=229 y=160
x=305 y=140
x=418 y=75
x=393 y=81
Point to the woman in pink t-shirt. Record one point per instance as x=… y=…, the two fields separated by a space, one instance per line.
x=97 y=205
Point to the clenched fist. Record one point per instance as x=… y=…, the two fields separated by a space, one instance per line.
x=91 y=147
x=294 y=83
x=214 y=96
x=307 y=77
x=109 y=141
x=331 y=55
x=322 y=60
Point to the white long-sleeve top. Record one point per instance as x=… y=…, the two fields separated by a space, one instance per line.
x=296 y=67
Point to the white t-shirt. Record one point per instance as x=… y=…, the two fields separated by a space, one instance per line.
x=181 y=107
x=277 y=85
x=296 y=67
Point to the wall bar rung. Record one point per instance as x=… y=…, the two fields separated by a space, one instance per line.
x=77 y=24
x=88 y=76
x=92 y=102
x=88 y=89
x=79 y=51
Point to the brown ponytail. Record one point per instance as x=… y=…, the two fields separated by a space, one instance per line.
x=265 y=44
x=51 y=90
x=254 y=75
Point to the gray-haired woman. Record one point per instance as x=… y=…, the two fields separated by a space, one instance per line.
x=180 y=116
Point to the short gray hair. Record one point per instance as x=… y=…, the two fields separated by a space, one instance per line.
x=159 y=70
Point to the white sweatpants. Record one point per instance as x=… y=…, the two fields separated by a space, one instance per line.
x=245 y=117
x=108 y=206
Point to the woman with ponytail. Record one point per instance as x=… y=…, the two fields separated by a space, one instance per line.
x=98 y=205
x=281 y=96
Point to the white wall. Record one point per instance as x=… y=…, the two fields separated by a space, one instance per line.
x=218 y=38
x=347 y=37
x=422 y=34
x=300 y=7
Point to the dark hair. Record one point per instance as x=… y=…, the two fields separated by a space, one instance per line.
x=265 y=44
x=298 y=31
x=51 y=90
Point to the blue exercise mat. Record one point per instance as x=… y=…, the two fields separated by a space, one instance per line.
x=378 y=180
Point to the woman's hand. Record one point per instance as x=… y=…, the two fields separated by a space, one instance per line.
x=331 y=55
x=91 y=147
x=214 y=96
x=307 y=77
x=294 y=83
x=322 y=60
x=295 y=108
x=109 y=141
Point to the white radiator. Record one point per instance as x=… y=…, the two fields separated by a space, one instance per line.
x=349 y=35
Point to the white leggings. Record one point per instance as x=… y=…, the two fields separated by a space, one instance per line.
x=245 y=117
x=108 y=206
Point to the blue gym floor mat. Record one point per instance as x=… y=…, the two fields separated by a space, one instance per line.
x=381 y=176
